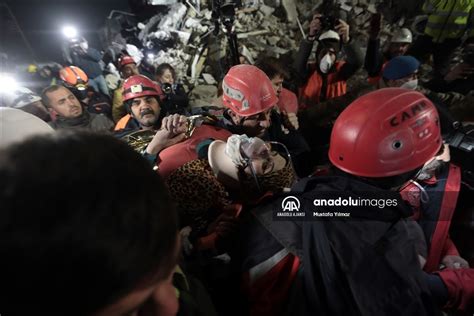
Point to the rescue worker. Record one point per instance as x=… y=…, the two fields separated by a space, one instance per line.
x=141 y=97
x=88 y=59
x=375 y=60
x=284 y=120
x=364 y=261
x=327 y=78
x=68 y=112
x=402 y=72
x=447 y=22
x=248 y=99
x=127 y=67
x=77 y=81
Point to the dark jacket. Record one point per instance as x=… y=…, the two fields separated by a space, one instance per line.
x=364 y=264
x=176 y=102
x=374 y=58
x=463 y=86
x=89 y=121
x=353 y=61
x=88 y=62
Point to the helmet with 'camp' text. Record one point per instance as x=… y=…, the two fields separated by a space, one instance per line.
x=385 y=133
x=139 y=86
x=247 y=90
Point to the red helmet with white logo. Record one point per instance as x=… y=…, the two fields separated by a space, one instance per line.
x=385 y=133
x=247 y=90
x=125 y=60
x=140 y=86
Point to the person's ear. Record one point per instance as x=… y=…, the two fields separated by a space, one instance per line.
x=52 y=113
x=235 y=118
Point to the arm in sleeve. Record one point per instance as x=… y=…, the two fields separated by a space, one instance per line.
x=94 y=54
x=354 y=60
x=373 y=58
x=301 y=60
x=180 y=98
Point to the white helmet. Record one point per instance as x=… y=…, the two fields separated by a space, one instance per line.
x=329 y=35
x=18 y=125
x=402 y=35
x=20 y=98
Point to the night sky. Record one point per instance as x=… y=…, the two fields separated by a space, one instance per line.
x=42 y=21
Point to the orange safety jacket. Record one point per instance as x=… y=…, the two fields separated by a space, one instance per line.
x=122 y=123
x=311 y=92
x=375 y=79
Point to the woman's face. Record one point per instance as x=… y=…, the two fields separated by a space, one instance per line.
x=166 y=77
x=265 y=161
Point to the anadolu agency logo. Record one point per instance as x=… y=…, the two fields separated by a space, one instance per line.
x=290 y=207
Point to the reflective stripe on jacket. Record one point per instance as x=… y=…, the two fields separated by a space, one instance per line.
x=312 y=93
x=448 y=19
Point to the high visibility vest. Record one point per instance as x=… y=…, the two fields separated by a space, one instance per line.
x=311 y=93
x=122 y=123
x=447 y=19
x=375 y=80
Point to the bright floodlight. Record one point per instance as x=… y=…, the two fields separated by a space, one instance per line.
x=70 y=31
x=151 y=56
x=8 y=84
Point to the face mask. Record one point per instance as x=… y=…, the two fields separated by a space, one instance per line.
x=411 y=84
x=326 y=63
x=272 y=182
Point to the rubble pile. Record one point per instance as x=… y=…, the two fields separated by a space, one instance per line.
x=186 y=34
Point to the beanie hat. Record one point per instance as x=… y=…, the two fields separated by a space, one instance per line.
x=328 y=40
x=400 y=67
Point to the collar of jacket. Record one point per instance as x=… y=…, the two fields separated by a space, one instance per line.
x=82 y=120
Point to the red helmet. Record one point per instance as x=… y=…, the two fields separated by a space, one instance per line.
x=125 y=60
x=74 y=77
x=139 y=86
x=247 y=90
x=385 y=133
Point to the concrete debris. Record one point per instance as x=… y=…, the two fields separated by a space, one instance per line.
x=254 y=33
x=291 y=13
x=162 y=2
x=202 y=95
x=266 y=10
x=184 y=35
x=247 y=54
x=209 y=79
x=174 y=17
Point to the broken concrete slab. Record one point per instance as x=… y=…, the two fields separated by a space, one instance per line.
x=209 y=79
x=266 y=10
